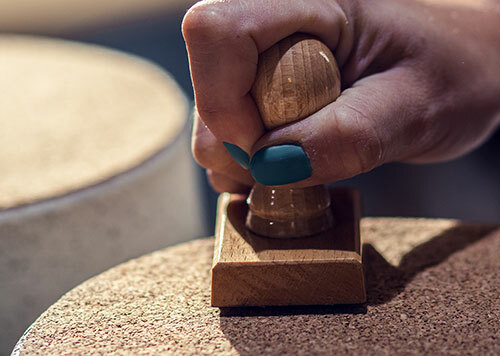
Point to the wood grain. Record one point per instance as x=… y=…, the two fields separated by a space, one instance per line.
x=301 y=211
x=250 y=270
x=295 y=78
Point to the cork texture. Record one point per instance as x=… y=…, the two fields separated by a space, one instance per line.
x=75 y=115
x=432 y=289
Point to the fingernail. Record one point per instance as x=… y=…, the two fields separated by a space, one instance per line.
x=282 y=164
x=238 y=154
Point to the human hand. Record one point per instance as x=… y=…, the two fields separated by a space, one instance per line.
x=421 y=84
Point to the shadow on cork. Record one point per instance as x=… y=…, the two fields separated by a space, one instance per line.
x=343 y=328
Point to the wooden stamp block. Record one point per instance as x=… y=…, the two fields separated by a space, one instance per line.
x=250 y=270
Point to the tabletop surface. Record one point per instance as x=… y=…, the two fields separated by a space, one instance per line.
x=432 y=288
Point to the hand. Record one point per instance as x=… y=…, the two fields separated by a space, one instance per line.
x=421 y=84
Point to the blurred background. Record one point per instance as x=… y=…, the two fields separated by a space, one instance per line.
x=467 y=188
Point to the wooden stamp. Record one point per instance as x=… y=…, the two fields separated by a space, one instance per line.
x=289 y=246
x=325 y=268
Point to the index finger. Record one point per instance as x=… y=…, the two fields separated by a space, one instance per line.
x=224 y=39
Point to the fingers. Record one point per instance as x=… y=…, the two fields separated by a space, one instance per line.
x=222 y=183
x=381 y=118
x=224 y=39
x=211 y=154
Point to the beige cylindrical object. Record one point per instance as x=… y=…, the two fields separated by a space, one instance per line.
x=95 y=169
x=62 y=16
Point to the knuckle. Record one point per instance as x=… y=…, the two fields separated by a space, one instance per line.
x=369 y=151
x=206 y=107
x=202 y=153
x=199 y=155
x=222 y=183
x=207 y=22
x=202 y=142
x=362 y=140
x=209 y=154
x=215 y=181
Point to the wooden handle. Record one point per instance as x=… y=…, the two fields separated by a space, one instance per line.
x=295 y=78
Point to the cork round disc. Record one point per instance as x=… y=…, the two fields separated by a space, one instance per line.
x=432 y=288
x=74 y=115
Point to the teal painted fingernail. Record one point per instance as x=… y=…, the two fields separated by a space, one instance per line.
x=238 y=154
x=282 y=164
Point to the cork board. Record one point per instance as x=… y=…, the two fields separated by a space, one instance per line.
x=74 y=115
x=432 y=288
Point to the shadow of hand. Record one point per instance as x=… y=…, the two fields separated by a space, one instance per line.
x=384 y=281
x=321 y=329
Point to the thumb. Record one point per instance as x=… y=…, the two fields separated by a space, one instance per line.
x=380 y=118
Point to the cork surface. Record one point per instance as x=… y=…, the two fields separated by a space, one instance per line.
x=74 y=115
x=432 y=289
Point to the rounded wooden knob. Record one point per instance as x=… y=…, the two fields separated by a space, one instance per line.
x=295 y=78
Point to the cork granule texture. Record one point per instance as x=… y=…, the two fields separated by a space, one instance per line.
x=432 y=289
x=73 y=115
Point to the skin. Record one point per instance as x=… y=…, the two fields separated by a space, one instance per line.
x=421 y=82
